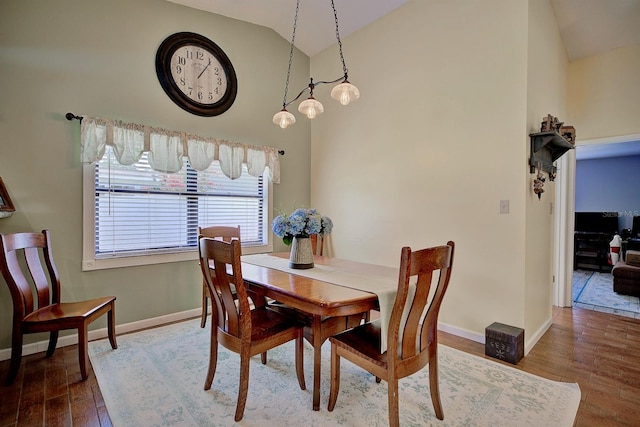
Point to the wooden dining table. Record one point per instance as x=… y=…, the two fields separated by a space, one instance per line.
x=321 y=299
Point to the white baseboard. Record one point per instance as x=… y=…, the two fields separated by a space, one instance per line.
x=97 y=334
x=533 y=340
x=528 y=345
x=461 y=332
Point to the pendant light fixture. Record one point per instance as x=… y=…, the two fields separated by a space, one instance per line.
x=344 y=92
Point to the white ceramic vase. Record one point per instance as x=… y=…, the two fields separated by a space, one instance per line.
x=301 y=256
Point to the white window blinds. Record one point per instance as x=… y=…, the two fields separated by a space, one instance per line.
x=140 y=211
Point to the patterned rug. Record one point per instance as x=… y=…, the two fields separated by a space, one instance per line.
x=156 y=378
x=593 y=290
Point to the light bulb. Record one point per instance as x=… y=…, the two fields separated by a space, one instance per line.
x=311 y=107
x=284 y=118
x=311 y=113
x=345 y=98
x=345 y=92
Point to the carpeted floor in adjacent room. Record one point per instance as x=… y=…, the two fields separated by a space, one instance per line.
x=593 y=290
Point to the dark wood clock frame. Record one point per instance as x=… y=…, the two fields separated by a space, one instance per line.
x=163 y=70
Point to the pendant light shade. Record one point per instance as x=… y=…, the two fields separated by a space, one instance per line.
x=284 y=118
x=311 y=107
x=344 y=92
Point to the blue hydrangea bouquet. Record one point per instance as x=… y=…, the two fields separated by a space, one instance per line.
x=301 y=223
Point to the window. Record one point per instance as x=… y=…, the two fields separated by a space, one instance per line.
x=134 y=215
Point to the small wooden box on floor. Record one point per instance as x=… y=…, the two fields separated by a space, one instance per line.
x=504 y=342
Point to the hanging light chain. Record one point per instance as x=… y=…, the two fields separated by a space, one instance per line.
x=344 y=92
x=335 y=15
x=293 y=38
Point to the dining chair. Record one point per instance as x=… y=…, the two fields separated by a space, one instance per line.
x=317 y=244
x=36 y=294
x=224 y=233
x=234 y=323
x=412 y=334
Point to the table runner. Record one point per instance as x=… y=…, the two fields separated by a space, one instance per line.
x=384 y=287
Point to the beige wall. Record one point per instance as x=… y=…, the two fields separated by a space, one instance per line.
x=438 y=138
x=96 y=58
x=604 y=94
x=546 y=89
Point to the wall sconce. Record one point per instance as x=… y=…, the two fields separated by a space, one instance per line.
x=344 y=92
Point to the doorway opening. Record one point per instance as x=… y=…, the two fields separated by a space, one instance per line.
x=626 y=145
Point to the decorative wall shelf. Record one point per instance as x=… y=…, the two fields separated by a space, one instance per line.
x=6 y=206
x=546 y=148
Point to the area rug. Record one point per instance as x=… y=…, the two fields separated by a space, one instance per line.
x=593 y=290
x=156 y=378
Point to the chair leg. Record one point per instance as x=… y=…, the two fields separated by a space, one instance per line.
x=111 y=326
x=213 y=357
x=263 y=358
x=203 y=319
x=53 y=342
x=16 y=355
x=335 y=377
x=243 y=388
x=434 y=387
x=83 y=340
x=394 y=415
x=300 y=360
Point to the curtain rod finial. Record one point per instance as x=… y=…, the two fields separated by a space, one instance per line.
x=71 y=116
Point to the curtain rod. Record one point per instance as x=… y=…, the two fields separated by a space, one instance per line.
x=71 y=116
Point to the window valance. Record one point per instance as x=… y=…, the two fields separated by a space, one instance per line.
x=167 y=148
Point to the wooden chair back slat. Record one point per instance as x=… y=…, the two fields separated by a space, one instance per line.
x=225 y=257
x=25 y=273
x=422 y=265
x=37 y=274
x=317 y=244
x=226 y=234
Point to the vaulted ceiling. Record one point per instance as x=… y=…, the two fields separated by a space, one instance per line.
x=587 y=27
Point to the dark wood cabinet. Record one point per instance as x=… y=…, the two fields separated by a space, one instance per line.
x=591 y=251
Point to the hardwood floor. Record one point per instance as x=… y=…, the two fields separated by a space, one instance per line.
x=599 y=351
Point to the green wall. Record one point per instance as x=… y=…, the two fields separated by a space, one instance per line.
x=96 y=58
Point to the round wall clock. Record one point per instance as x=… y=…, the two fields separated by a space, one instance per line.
x=196 y=74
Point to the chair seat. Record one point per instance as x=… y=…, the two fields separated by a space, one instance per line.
x=364 y=340
x=68 y=310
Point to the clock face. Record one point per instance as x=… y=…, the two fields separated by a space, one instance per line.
x=199 y=75
x=196 y=74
